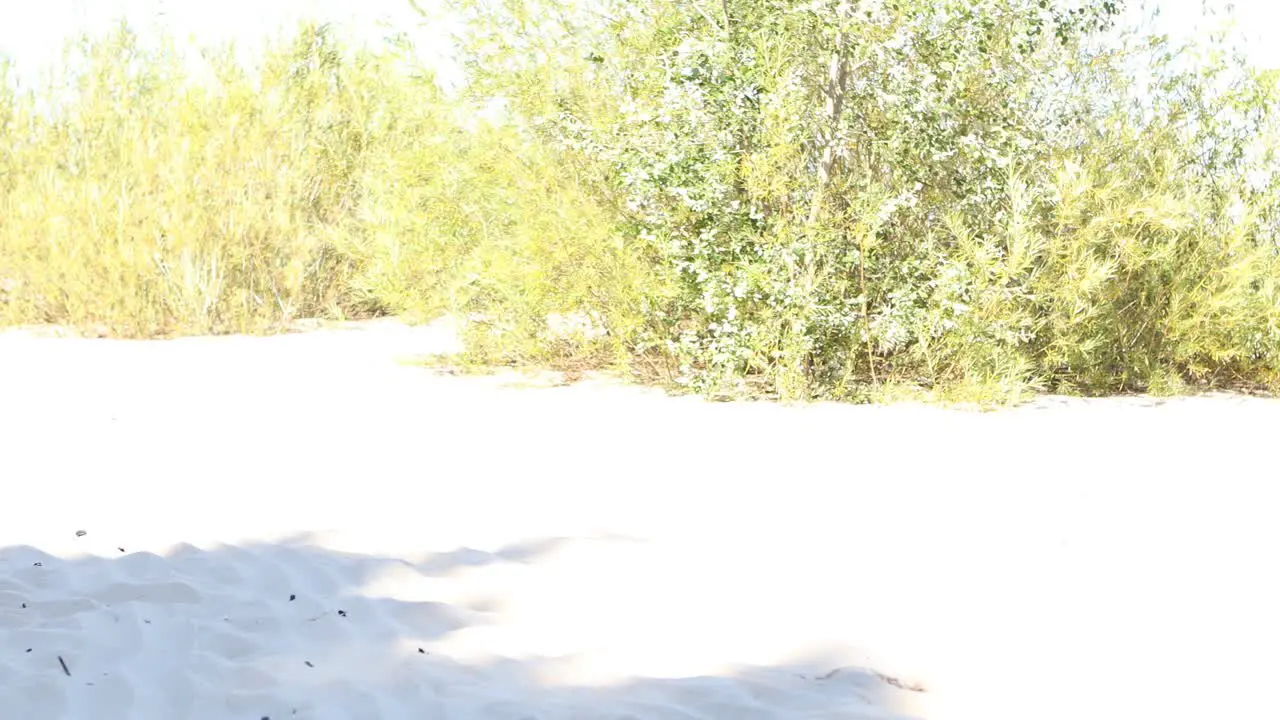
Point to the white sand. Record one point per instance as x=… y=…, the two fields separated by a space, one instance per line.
x=460 y=549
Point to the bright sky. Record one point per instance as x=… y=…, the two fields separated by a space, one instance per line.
x=33 y=31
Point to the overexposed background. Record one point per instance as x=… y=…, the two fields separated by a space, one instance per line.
x=33 y=33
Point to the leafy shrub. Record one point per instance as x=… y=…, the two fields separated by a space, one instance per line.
x=957 y=194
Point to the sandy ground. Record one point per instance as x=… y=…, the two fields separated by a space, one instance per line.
x=304 y=527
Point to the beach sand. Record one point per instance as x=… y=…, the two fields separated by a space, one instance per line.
x=304 y=526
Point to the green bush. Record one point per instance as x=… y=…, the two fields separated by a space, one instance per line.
x=974 y=196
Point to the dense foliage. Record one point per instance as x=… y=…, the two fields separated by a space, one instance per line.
x=144 y=194
x=808 y=199
x=975 y=193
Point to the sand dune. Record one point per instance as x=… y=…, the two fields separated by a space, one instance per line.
x=302 y=527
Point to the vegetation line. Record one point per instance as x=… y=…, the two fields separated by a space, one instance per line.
x=976 y=199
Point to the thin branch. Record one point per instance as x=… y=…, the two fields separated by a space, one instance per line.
x=706 y=16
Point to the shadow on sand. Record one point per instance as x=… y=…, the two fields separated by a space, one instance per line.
x=293 y=630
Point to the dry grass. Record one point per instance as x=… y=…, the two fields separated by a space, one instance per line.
x=138 y=199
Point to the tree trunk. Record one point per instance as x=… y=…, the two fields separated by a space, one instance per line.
x=837 y=86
